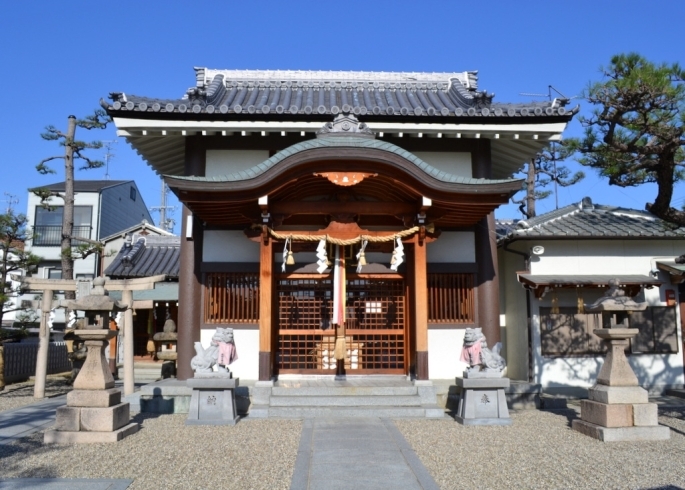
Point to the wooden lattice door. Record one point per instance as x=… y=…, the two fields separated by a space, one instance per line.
x=375 y=331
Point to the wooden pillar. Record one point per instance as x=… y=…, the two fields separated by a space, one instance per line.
x=189 y=296
x=129 y=375
x=421 y=309
x=487 y=283
x=43 y=345
x=266 y=265
x=190 y=275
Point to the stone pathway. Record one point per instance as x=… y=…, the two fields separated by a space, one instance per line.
x=64 y=484
x=23 y=421
x=357 y=453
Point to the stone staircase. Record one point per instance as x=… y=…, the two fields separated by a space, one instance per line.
x=144 y=372
x=385 y=397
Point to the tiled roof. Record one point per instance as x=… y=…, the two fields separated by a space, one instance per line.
x=349 y=141
x=145 y=256
x=397 y=95
x=588 y=220
x=86 y=185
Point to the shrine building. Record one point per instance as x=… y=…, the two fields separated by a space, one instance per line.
x=323 y=205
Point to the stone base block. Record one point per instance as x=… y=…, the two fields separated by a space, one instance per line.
x=619 y=415
x=645 y=414
x=105 y=419
x=483 y=402
x=464 y=421
x=68 y=418
x=212 y=401
x=94 y=398
x=618 y=434
x=165 y=404
x=617 y=394
x=71 y=437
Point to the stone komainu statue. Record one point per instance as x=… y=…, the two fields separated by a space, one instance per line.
x=221 y=351
x=479 y=357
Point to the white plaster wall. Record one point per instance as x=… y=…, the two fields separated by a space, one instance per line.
x=444 y=351
x=514 y=316
x=247 y=345
x=452 y=246
x=223 y=162
x=228 y=246
x=603 y=257
x=456 y=163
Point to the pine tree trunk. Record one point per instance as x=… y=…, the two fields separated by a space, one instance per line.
x=530 y=190
x=68 y=210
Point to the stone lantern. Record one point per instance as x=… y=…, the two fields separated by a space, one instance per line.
x=94 y=412
x=618 y=408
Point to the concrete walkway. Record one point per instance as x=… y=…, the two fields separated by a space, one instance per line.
x=357 y=453
x=24 y=421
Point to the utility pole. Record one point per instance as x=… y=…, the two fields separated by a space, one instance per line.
x=164 y=222
x=10 y=200
x=108 y=155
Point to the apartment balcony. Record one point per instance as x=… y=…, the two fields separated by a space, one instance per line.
x=51 y=235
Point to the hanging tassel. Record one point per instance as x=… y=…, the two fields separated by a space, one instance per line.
x=581 y=304
x=397 y=255
x=555 y=303
x=290 y=260
x=361 y=258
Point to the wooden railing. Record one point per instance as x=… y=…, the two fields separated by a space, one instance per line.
x=231 y=297
x=451 y=298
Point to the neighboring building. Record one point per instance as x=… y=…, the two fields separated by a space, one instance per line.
x=553 y=264
x=145 y=255
x=101 y=208
x=257 y=157
x=114 y=243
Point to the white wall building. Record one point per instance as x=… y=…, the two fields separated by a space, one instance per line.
x=552 y=264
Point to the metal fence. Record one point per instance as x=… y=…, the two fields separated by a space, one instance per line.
x=20 y=360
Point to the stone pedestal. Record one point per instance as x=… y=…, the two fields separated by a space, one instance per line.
x=213 y=399
x=94 y=412
x=482 y=401
x=618 y=408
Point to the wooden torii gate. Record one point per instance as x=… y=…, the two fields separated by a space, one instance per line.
x=48 y=288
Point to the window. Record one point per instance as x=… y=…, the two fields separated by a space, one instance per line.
x=54 y=273
x=132 y=193
x=48 y=224
x=571 y=333
x=450 y=298
x=658 y=333
x=231 y=297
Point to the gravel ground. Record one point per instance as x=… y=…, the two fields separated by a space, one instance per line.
x=167 y=454
x=541 y=451
x=19 y=394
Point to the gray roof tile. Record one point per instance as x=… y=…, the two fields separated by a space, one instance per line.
x=375 y=93
x=587 y=220
x=147 y=256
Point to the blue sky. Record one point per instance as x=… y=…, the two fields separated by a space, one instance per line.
x=60 y=58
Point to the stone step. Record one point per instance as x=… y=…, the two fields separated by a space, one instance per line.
x=680 y=393
x=316 y=412
x=344 y=391
x=345 y=401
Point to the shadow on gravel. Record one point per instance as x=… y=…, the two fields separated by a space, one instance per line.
x=570 y=414
x=665 y=487
x=28 y=445
x=675 y=413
